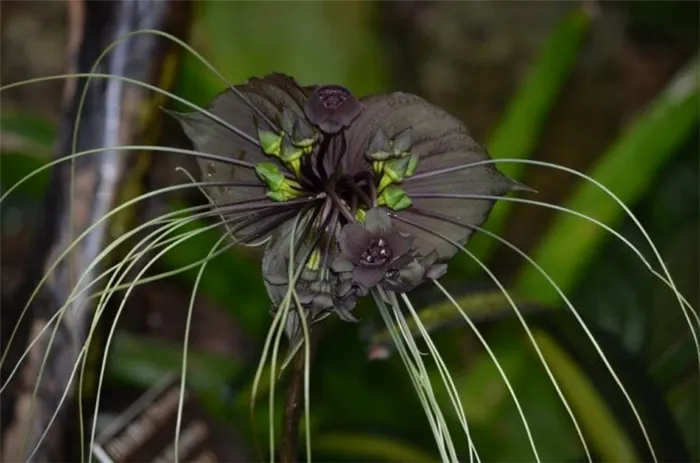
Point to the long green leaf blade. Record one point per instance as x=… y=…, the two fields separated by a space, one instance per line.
x=628 y=169
x=526 y=117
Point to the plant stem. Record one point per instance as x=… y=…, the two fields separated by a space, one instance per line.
x=293 y=405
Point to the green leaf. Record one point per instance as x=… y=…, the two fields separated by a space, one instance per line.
x=26 y=132
x=15 y=166
x=25 y=142
x=395 y=198
x=270 y=142
x=599 y=425
x=603 y=411
x=316 y=42
x=137 y=361
x=650 y=140
x=684 y=400
x=481 y=389
x=369 y=448
x=270 y=174
x=527 y=115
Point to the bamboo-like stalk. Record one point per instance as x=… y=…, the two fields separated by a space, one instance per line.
x=113 y=114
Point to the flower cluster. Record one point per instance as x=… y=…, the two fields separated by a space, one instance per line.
x=353 y=194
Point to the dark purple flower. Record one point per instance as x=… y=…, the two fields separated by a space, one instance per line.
x=319 y=292
x=332 y=108
x=385 y=185
x=369 y=251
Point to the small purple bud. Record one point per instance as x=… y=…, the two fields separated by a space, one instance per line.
x=332 y=108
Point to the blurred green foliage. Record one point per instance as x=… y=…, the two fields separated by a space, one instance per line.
x=368 y=410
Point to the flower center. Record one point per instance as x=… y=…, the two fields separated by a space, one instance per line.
x=377 y=253
x=332 y=97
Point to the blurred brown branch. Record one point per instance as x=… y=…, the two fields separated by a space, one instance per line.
x=113 y=115
x=294 y=401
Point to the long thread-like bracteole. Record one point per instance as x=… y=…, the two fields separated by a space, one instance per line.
x=517 y=313
x=100 y=185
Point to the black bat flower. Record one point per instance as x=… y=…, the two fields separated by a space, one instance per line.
x=372 y=250
x=332 y=108
x=372 y=185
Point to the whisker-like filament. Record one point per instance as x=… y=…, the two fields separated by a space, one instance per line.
x=306 y=337
x=412 y=373
x=418 y=375
x=84 y=288
x=188 y=323
x=322 y=165
x=574 y=312
x=142 y=271
x=293 y=275
x=104 y=253
x=684 y=303
x=606 y=190
x=405 y=331
x=112 y=289
x=493 y=357
x=517 y=313
x=99 y=310
x=445 y=375
x=277 y=320
x=93 y=264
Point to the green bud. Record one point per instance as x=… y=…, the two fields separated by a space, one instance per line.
x=279 y=196
x=289 y=152
x=289 y=189
x=396 y=169
x=314 y=261
x=402 y=143
x=295 y=167
x=287 y=121
x=304 y=135
x=395 y=198
x=384 y=182
x=379 y=148
x=412 y=165
x=301 y=134
x=360 y=215
x=378 y=166
x=270 y=174
x=270 y=142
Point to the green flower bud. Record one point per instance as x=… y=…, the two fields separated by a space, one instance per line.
x=379 y=148
x=270 y=142
x=279 y=196
x=287 y=121
x=304 y=135
x=412 y=165
x=271 y=175
x=402 y=143
x=396 y=169
x=289 y=152
x=395 y=198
